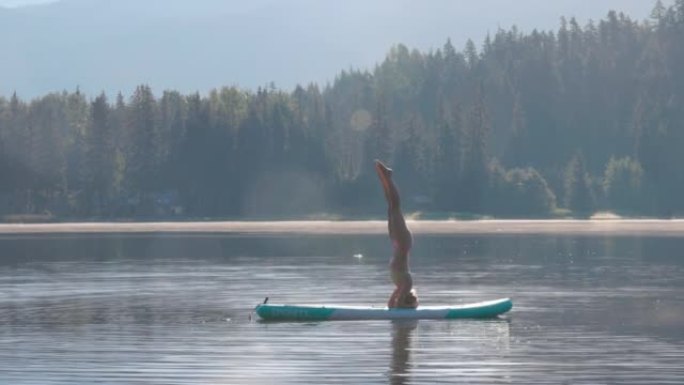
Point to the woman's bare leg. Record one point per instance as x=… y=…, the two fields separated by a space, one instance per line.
x=398 y=232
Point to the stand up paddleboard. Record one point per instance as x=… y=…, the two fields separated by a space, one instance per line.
x=486 y=309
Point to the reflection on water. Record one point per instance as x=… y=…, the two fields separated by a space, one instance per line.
x=401 y=344
x=174 y=309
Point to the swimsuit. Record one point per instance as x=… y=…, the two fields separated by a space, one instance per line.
x=400 y=277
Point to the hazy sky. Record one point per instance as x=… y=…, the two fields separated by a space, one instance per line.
x=191 y=45
x=587 y=5
x=19 y=3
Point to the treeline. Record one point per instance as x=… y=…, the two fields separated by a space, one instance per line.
x=582 y=119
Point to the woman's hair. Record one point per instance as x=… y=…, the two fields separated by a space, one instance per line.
x=410 y=298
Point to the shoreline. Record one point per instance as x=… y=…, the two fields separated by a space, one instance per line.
x=659 y=227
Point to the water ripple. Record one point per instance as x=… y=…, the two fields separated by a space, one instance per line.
x=175 y=310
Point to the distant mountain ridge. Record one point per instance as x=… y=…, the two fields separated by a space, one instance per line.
x=102 y=45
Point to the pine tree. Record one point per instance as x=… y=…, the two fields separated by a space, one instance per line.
x=100 y=154
x=448 y=159
x=380 y=138
x=474 y=159
x=659 y=11
x=623 y=185
x=471 y=54
x=579 y=195
x=141 y=124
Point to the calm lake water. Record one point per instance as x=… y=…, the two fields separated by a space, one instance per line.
x=175 y=309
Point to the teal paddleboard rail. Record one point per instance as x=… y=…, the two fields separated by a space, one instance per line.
x=486 y=309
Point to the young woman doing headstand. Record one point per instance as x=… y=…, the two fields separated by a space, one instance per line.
x=403 y=296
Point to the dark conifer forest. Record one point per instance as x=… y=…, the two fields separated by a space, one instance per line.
x=542 y=124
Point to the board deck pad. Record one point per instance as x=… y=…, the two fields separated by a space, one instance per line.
x=487 y=309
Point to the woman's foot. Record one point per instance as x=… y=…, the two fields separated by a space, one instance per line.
x=383 y=171
x=385 y=175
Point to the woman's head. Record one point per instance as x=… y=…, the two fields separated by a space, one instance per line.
x=409 y=299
